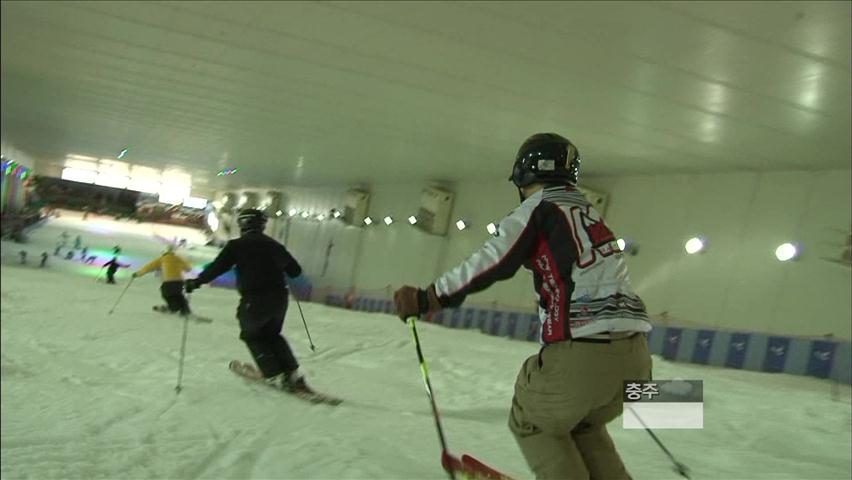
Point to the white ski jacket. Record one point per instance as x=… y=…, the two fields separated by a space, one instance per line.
x=579 y=272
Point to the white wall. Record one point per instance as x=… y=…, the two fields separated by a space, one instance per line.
x=737 y=283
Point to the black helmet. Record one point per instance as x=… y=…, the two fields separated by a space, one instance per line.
x=546 y=158
x=251 y=220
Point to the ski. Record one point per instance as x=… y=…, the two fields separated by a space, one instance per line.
x=469 y=468
x=249 y=372
x=193 y=316
x=483 y=471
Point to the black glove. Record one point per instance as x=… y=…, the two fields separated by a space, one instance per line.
x=191 y=284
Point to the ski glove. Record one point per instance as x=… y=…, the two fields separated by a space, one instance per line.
x=301 y=286
x=411 y=301
x=191 y=284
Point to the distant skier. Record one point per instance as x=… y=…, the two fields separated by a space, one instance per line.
x=78 y=242
x=63 y=239
x=171 y=267
x=56 y=250
x=112 y=267
x=23 y=254
x=83 y=253
x=91 y=259
x=261 y=265
x=69 y=255
x=43 y=259
x=116 y=250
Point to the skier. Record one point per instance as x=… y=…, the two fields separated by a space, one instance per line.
x=78 y=242
x=83 y=253
x=171 y=267
x=592 y=323
x=44 y=256
x=63 y=239
x=69 y=255
x=112 y=267
x=116 y=250
x=23 y=254
x=56 y=250
x=261 y=265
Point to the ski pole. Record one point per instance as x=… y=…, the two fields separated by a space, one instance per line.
x=680 y=468
x=121 y=296
x=425 y=371
x=182 y=353
x=313 y=348
x=98 y=276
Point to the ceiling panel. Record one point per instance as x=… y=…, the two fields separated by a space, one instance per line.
x=349 y=92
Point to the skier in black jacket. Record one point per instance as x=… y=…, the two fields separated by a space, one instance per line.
x=261 y=265
x=112 y=267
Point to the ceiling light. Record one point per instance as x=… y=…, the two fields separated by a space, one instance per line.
x=336 y=213
x=292 y=212
x=368 y=221
x=461 y=225
x=279 y=213
x=695 y=245
x=412 y=219
x=388 y=221
x=305 y=214
x=320 y=217
x=786 y=252
x=492 y=229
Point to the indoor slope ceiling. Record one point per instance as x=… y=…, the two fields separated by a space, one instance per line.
x=377 y=92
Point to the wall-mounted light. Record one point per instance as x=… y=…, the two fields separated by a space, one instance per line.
x=461 y=225
x=695 y=245
x=412 y=220
x=491 y=229
x=388 y=220
x=305 y=214
x=787 y=251
x=627 y=245
x=368 y=221
x=292 y=212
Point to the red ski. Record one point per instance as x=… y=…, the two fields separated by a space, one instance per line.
x=470 y=468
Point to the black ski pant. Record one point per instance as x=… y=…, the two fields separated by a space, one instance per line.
x=110 y=277
x=261 y=318
x=172 y=293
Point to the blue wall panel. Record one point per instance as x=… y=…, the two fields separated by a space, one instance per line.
x=703 y=346
x=777 y=351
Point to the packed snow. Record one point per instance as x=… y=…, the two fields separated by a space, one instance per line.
x=90 y=395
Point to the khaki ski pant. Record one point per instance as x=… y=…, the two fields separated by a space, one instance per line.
x=565 y=396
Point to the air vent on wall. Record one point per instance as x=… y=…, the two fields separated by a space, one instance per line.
x=355 y=207
x=433 y=216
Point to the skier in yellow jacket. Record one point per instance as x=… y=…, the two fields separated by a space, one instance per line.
x=171 y=267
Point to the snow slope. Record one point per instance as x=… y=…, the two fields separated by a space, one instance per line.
x=91 y=395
